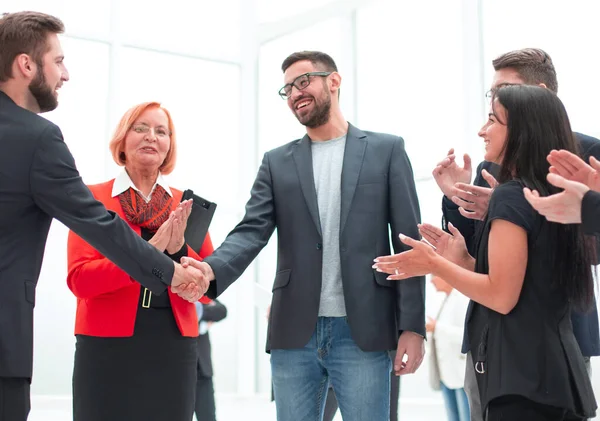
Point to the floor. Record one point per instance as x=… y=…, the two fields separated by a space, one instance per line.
x=232 y=408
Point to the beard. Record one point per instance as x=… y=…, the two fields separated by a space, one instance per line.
x=43 y=94
x=319 y=114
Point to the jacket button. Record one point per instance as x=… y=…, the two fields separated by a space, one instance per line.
x=319 y=246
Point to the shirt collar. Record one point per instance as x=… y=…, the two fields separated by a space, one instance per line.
x=123 y=183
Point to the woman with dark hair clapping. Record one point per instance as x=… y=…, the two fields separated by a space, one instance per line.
x=526 y=274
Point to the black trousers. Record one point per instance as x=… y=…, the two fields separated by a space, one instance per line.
x=205 y=399
x=515 y=408
x=331 y=405
x=14 y=398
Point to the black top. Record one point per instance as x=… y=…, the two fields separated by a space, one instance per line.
x=531 y=351
x=585 y=325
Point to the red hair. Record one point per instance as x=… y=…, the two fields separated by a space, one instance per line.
x=117 y=143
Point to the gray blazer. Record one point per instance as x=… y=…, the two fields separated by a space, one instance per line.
x=38 y=182
x=377 y=192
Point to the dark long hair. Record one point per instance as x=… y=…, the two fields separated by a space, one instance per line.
x=537 y=123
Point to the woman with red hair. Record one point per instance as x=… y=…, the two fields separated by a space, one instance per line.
x=135 y=356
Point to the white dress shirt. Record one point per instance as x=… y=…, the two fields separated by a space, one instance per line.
x=123 y=183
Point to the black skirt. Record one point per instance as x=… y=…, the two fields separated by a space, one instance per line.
x=150 y=376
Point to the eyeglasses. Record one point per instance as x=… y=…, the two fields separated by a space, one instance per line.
x=159 y=131
x=301 y=82
x=489 y=94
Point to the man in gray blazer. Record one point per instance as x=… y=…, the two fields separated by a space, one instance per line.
x=333 y=196
x=38 y=182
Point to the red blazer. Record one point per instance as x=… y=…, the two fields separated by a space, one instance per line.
x=107 y=297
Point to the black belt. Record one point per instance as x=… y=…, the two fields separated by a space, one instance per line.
x=150 y=300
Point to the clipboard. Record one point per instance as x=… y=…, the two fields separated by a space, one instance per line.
x=199 y=220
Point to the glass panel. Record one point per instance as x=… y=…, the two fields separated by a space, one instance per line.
x=412 y=88
x=190 y=27
x=564 y=30
x=274 y=10
x=89 y=18
x=83 y=107
x=205 y=108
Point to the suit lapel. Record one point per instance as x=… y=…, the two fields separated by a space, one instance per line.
x=303 y=160
x=356 y=143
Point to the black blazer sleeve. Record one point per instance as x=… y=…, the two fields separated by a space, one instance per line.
x=248 y=238
x=590 y=212
x=58 y=190
x=405 y=215
x=213 y=312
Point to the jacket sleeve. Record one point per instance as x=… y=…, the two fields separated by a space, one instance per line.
x=404 y=217
x=58 y=190
x=205 y=250
x=590 y=213
x=214 y=312
x=248 y=238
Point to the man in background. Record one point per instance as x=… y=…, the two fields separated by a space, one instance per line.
x=208 y=314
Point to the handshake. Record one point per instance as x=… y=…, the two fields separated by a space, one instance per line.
x=191 y=278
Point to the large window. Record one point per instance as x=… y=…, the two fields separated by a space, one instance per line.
x=417 y=69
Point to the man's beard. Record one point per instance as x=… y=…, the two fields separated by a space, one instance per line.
x=319 y=115
x=43 y=94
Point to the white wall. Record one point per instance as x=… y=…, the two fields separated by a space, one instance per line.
x=416 y=69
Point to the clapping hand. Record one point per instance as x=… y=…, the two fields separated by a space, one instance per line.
x=573 y=168
x=416 y=262
x=162 y=237
x=473 y=201
x=179 y=224
x=451 y=247
x=447 y=173
x=563 y=207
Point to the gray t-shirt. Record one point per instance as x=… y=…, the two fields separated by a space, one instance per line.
x=328 y=158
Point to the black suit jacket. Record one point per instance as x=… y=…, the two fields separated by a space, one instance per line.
x=377 y=192
x=38 y=182
x=585 y=325
x=213 y=312
x=590 y=213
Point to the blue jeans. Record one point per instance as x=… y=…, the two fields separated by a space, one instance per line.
x=301 y=377
x=457 y=405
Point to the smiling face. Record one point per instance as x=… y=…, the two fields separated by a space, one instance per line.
x=494 y=133
x=148 y=141
x=311 y=105
x=51 y=73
